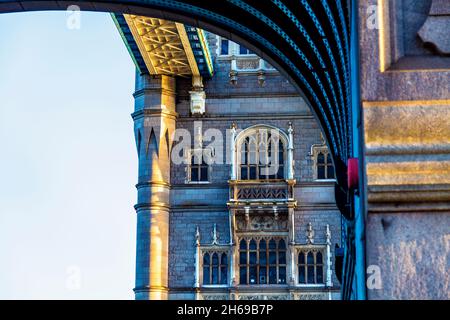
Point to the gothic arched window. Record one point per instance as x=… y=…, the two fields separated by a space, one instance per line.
x=215 y=268
x=261 y=154
x=310 y=267
x=323 y=165
x=262 y=261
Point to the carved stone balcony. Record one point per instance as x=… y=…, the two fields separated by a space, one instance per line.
x=267 y=192
x=250 y=64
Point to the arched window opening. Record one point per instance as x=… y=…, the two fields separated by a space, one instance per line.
x=261 y=155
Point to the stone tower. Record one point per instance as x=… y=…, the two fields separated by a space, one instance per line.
x=154 y=123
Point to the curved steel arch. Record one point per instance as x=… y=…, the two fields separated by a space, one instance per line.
x=307 y=39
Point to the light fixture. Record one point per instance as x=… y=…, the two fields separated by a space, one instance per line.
x=233 y=77
x=261 y=78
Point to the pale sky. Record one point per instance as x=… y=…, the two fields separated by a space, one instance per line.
x=68 y=162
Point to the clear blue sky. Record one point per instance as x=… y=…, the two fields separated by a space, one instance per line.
x=68 y=162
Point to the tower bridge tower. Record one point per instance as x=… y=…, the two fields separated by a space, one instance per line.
x=226 y=230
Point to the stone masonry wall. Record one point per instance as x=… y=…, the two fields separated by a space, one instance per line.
x=203 y=205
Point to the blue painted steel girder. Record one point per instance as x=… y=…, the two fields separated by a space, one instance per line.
x=307 y=39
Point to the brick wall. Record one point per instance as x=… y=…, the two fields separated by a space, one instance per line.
x=182 y=241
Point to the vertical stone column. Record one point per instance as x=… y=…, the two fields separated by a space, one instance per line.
x=154 y=124
x=234 y=247
x=291 y=246
x=197 y=259
x=329 y=271
x=406 y=112
x=233 y=175
x=290 y=153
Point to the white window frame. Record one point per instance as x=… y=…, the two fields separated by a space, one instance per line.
x=305 y=248
x=211 y=250
x=253 y=130
x=315 y=150
x=189 y=155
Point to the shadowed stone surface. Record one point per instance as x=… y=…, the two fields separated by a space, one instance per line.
x=406 y=105
x=413 y=253
x=436 y=30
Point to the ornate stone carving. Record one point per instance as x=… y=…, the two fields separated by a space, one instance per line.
x=197 y=236
x=214 y=297
x=310 y=296
x=262 y=192
x=233 y=77
x=198 y=99
x=247 y=64
x=215 y=236
x=264 y=297
x=262 y=223
x=250 y=64
x=310 y=234
x=328 y=235
x=436 y=28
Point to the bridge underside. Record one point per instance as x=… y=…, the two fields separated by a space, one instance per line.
x=308 y=41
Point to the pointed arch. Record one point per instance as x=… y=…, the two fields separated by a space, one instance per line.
x=152 y=144
x=167 y=141
x=261 y=153
x=138 y=141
